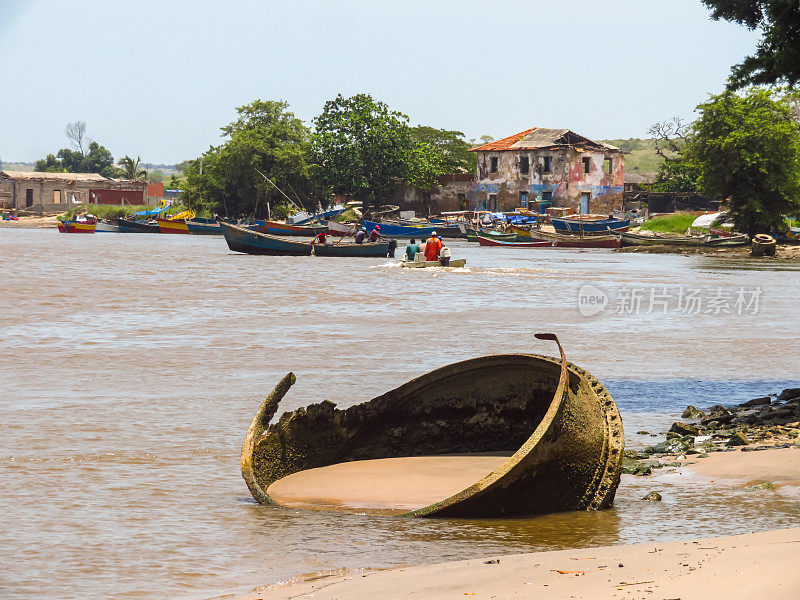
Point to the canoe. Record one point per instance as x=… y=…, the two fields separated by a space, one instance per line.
x=400 y=231
x=638 y=239
x=129 y=226
x=733 y=240
x=595 y=224
x=172 y=226
x=203 y=226
x=242 y=239
x=559 y=421
x=341 y=229
x=483 y=241
x=456 y=263
x=276 y=228
x=522 y=233
x=563 y=240
x=106 y=227
x=77 y=226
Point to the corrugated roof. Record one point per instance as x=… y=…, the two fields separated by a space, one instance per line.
x=540 y=137
x=53 y=176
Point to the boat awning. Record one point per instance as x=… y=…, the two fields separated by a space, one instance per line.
x=155 y=211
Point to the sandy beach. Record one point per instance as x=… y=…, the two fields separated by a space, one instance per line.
x=736 y=567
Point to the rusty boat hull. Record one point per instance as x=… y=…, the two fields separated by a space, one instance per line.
x=559 y=421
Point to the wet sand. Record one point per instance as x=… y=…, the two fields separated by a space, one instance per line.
x=735 y=567
x=384 y=486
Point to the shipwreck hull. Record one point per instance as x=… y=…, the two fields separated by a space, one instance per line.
x=560 y=422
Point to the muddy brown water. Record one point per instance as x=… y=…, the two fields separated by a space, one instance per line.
x=131 y=366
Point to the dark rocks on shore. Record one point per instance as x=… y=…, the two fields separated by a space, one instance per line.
x=789 y=394
x=738 y=439
x=757 y=401
x=692 y=413
x=684 y=429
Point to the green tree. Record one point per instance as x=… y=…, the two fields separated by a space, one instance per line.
x=96 y=160
x=777 y=57
x=265 y=137
x=679 y=176
x=130 y=168
x=747 y=148
x=362 y=148
x=451 y=145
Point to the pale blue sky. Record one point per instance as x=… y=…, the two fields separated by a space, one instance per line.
x=158 y=78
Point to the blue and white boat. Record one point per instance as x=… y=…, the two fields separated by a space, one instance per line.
x=399 y=231
x=590 y=224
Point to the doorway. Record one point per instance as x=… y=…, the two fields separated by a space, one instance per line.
x=584 y=208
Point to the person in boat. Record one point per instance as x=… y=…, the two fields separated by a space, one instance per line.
x=321 y=237
x=361 y=234
x=376 y=233
x=412 y=249
x=433 y=247
x=444 y=257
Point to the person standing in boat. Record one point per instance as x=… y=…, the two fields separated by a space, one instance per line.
x=412 y=249
x=361 y=234
x=376 y=233
x=433 y=247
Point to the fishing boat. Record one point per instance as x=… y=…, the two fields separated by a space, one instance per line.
x=472 y=235
x=590 y=224
x=556 y=427
x=203 y=226
x=455 y=263
x=104 y=226
x=393 y=230
x=77 y=226
x=131 y=226
x=242 y=239
x=563 y=240
x=277 y=228
x=341 y=229
x=484 y=241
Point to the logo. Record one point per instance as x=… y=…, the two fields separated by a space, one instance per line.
x=591 y=300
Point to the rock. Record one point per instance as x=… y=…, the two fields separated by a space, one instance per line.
x=757 y=401
x=671 y=435
x=652 y=463
x=672 y=446
x=738 y=439
x=767 y=485
x=711 y=424
x=702 y=455
x=789 y=394
x=652 y=497
x=793 y=433
x=634 y=467
x=692 y=413
x=684 y=428
x=642 y=433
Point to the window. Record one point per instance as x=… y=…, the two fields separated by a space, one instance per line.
x=492 y=202
x=493 y=164
x=587 y=163
x=56 y=196
x=28 y=198
x=548 y=164
x=608 y=167
x=524 y=166
x=523 y=199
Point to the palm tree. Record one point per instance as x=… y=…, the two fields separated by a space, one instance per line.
x=130 y=168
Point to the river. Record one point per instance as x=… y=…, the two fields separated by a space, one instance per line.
x=132 y=366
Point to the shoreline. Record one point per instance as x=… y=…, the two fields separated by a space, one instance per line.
x=734 y=567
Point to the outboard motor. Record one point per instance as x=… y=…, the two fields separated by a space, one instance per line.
x=392 y=247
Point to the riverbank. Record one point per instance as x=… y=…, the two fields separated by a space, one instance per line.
x=734 y=567
x=784 y=252
x=46 y=222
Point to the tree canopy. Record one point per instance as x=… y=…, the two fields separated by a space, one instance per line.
x=265 y=137
x=130 y=168
x=777 y=57
x=96 y=160
x=746 y=147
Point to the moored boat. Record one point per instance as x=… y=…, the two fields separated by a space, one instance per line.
x=277 y=228
x=104 y=226
x=172 y=226
x=131 y=226
x=560 y=423
x=484 y=241
x=472 y=235
x=400 y=231
x=562 y=240
x=589 y=224
x=341 y=229
x=241 y=239
x=202 y=226
x=77 y=226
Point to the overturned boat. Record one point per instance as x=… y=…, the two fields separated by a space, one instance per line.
x=559 y=427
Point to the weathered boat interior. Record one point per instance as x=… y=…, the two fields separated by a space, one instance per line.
x=558 y=423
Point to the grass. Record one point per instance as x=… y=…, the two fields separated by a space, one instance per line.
x=640 y=154
x=675 y=223
x=112 y=211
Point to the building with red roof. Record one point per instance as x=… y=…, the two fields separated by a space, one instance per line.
x=539 y=167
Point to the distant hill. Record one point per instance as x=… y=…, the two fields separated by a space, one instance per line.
x=640 y=154
x=17 y=166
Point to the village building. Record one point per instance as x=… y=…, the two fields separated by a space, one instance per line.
x=58 y=192
x=540 y=168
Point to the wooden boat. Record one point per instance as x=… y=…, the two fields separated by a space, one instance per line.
x=276 y=228
x=172 y=226
x=522 y=233
x=73 y=226
x=589 y=224
x=472 y=235
x=242 y=239
x=341 y=229
x=732 y=240
x=104 y=226
x=400 y=231
x=456 y=263
x=638 y=239
x=559 y=421
x=202 y=226
x=561 y=240
x=130 y=226
x=484 y=241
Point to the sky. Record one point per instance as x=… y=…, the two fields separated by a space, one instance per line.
x=158 y=78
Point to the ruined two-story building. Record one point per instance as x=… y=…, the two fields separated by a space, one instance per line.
x=538 y=168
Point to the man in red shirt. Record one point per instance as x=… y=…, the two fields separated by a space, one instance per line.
x=432 y=248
